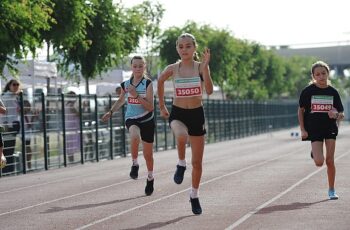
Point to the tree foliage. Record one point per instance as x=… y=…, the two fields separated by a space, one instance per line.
x=113 y=33
x=71 y=18
x=152 y=14
x=94 y=35
x=20 y=26
x=242 y=69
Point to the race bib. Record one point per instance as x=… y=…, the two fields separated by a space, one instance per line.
x=188 y=87
x=321 y=104
x=132 y=100
x=135 y=101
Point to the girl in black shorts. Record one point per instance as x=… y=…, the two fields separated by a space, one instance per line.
x=320 y=108
x=190 y=79
x=137 y=92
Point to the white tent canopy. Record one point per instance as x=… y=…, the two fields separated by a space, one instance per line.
x=34 y=74
x=108 y=81
x=38 y=74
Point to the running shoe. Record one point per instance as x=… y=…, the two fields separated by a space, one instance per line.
x=332 y=194
x=134 y=173
x=149 y=187
x=196 y=206
x=179 y=174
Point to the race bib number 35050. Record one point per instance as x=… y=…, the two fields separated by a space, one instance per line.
x=321 y=104
x=188 y=87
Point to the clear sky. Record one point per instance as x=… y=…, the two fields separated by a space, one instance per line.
x=268 y=22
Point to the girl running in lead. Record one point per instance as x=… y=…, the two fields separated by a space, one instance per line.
x=320 y=108
x=186 y=119
x=137 y=92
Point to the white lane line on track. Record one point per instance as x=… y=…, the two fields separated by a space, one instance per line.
x=126 y=181
x=62 y=198
x=74 y=177
x=251 y=213
x=41 y=184
x=51 y=182
x=184 y=190
x=78 y=194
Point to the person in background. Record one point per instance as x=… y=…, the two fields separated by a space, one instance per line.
x=320 y=107
x=118 y=90
x=190 y=78
x=72 y=125
x=29 y=117
x=11 y=122
x=119 y=130
x=137 y=92
x=2 y=156
x=88 y=118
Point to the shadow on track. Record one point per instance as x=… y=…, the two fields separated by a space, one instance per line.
x=158 y=224
x=85 y=206
x=288 y=207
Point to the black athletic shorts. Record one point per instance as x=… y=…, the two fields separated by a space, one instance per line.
x=192 y=118
x=146 y=128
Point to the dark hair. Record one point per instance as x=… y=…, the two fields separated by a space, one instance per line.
x=319 y=64
x=71 y=93
x=70 y=99
x=188 y=35
x=118 y=88
x=27 y=107
x=8 y=84
x=26 y=103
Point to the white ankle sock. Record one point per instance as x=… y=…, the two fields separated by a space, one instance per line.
x=182 y=163
x=150 y=176
x=194 y=193
x=134 y=162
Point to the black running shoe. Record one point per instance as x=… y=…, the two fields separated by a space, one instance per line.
x=179 y=174
x=134 y=173
x=312 y=156
x=149 y=187
x=196 y=206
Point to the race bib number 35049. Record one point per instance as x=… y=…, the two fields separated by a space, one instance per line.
x=321 y=104
x=188 y=87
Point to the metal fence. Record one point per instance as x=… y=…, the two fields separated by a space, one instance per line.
x=62 y=129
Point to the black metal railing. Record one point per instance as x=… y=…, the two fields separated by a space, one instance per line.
x=67 y=129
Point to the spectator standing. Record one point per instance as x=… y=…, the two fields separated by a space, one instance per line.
x=72 y=126
x=11 y=122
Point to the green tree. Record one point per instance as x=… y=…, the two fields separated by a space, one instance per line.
x=113 y=33
x=152 y=14
x=258 y=90
x=224 y=57
x=20 y=26
x=297 y=75
x=274 y=80
x=71 y=18
x=242 y=69
x=167 y=50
